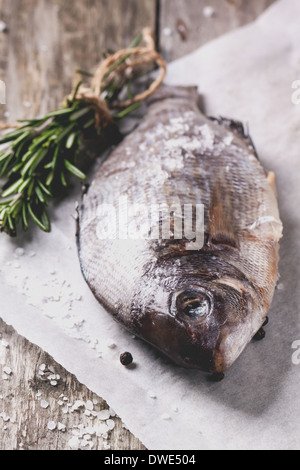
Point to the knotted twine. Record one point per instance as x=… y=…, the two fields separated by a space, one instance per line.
x=136 y=58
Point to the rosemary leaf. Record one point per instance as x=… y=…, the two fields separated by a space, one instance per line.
x=75 y=171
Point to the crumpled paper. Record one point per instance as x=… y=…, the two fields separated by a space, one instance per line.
x=247 y=75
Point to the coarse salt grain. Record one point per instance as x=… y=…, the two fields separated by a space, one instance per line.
x=7 y=370
x=77 y=405
x=103 y=415
x=111 y=424
x=89 y=405
x=4 y=343
x=165 y=417
x=44 y=404
x=3 y=26
x=51 y=425
x=74 y=443
x=208 y=11
x=61 y=427
x=19 y=252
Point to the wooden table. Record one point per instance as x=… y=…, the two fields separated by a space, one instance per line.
x=44 y=43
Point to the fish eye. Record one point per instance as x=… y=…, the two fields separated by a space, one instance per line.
x=192 y=305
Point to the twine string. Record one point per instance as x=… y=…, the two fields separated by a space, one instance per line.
x=136 y=57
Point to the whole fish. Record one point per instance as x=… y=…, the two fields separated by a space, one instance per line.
x=198 y=304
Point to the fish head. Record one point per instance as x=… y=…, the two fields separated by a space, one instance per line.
x=198 y=317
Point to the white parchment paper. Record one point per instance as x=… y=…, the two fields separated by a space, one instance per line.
x=247 y=75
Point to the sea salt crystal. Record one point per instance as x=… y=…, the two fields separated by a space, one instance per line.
x=60 y=403
x=166 y=417
x=110 y=344
x=4 y=377
x=53 y=383
x=51 y=425
x=61 y=427
x=19 y=252
x=77 y=405
x=95 y=402
x=102 y=430
x=89 y=405
x=208 y=11
x=7 y=370
x=111 y=424
x=74 y=443
x=3 y=26
x=44 y=404
x=152 y=395
x=42 y=367
x=103 y=415
x=4 y=343
x=175 y=408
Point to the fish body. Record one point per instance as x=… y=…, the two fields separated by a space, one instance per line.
x=199 y=305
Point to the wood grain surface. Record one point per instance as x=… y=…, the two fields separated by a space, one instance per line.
x=23 y=421
x=45 y=41
x=186 y=25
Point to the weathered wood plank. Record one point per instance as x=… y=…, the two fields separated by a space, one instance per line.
x=184 y=26
x=48 y=40
x=21 y=395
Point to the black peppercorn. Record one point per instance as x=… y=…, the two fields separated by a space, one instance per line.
x=126 y=358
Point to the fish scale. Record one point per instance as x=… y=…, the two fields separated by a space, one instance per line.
x=202 y=307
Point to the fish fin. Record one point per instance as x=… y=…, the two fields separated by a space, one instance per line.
x=272 y=181
x=221 y=220
x=238 y=128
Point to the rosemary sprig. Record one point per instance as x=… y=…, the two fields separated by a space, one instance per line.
x=41 y=154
